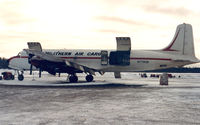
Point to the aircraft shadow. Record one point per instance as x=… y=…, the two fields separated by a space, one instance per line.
x=109 y=85
x=66 y=85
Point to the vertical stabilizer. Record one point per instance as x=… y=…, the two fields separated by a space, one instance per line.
x=182 y=42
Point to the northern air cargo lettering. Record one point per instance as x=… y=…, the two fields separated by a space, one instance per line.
x=94 y=54
x=58 y=53
x=79 y=53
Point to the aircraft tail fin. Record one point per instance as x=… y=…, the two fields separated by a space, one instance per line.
x=183 y=42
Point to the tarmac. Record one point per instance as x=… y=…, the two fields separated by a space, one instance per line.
x=130 y=100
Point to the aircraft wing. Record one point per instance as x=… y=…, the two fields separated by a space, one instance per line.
x=43 y=55
x=53 y=64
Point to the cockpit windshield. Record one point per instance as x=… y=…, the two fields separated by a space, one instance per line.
x=22 y=53
x=19 y=54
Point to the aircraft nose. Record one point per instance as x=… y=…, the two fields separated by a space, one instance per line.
x=9 y=61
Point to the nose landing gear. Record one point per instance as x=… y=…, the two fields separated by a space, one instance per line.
x=20 y=75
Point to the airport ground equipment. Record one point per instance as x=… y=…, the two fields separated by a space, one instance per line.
x=164 y=79
x=8 y=76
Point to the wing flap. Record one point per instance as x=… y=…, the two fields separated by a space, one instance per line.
x=80 y=67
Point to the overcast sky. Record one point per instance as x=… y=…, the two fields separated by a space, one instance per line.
x=94 y=24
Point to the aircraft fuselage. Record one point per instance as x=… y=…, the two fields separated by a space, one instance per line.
x=140 y=60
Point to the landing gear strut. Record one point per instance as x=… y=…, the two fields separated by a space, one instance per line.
x=89 y=78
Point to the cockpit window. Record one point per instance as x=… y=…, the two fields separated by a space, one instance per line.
x=19 y=54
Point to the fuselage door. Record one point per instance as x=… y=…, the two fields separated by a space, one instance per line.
x=104 y=57
x=123 y=43
x=121 y=57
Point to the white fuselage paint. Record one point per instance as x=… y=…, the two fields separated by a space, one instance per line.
x=140 y=60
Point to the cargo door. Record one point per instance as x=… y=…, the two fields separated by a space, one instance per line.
x=123 y=43
x=122 y=55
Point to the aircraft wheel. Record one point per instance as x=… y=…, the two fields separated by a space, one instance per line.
x=20 y=77
x=73 y=78
x=89 y=78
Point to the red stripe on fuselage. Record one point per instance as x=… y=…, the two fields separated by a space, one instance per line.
x=138 y=58
x=14 y=57
x=81 y=57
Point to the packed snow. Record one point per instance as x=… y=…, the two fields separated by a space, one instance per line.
x=130 y=100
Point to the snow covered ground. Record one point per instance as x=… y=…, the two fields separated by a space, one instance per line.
x=130 y=100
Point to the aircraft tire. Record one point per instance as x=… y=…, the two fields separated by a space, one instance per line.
x=20 y=77
x=73 y=78
x=89 y=78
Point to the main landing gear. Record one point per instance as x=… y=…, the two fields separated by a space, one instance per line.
x=89 y=78
x=73 y=78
